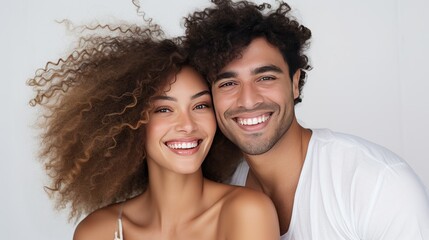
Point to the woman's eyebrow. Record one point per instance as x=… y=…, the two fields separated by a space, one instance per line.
x=161 y=97
x=168 y=98
x=204 y=92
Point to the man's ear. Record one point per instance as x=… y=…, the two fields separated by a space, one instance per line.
x=295 y=83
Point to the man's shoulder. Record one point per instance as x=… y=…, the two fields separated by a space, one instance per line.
x=380 y=186
x=348 y=147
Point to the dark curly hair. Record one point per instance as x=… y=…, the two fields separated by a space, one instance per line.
x=218 y=35
x=96 y=103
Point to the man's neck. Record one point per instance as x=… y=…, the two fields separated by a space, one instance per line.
x=282 y=163
x=277 y=171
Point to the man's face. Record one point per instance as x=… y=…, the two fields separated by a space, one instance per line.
x=254 y=98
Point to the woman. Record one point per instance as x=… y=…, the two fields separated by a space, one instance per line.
x=128 y=125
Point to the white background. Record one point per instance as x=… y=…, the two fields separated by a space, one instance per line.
x=370 y=78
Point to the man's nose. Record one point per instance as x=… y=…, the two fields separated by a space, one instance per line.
x=249 y=96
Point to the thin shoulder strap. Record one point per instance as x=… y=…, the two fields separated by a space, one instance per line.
x=119 y=233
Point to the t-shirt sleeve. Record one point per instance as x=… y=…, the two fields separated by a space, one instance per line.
x=398 y=207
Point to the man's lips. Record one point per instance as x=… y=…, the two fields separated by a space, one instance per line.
x=254 y=120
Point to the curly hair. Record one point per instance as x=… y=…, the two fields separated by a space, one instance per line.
x=95 y=106
x=218 y=35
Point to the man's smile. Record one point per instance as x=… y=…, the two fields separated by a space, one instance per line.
x=249 y=121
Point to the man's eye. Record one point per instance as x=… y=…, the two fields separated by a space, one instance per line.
x=267 y=78
x=226 y=84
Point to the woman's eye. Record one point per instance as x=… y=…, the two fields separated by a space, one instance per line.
x=162 y=110
x=202 y=106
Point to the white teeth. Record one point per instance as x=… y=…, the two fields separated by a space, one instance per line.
x=252 y=121
x=183 y=145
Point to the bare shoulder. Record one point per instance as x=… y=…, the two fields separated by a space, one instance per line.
x=100 y=224
x=248 y=214
x=244 y=201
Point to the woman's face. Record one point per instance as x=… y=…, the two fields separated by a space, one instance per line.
x=181 y=125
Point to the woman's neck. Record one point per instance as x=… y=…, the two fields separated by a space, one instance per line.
x=174 y=198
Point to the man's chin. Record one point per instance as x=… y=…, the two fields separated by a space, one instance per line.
x=258 y=147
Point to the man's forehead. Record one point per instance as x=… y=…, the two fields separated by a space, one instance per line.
x=258 y=52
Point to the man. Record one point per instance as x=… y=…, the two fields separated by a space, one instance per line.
x=324 y=185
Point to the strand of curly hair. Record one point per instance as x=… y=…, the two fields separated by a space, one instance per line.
x=95 y=104
x=217 y=35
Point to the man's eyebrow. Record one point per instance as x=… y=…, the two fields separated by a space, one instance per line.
x=223 y=75
x=267 y=68
x=204 y=92
x=258 y=70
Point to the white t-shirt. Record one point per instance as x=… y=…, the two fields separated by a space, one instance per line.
x=350 y=188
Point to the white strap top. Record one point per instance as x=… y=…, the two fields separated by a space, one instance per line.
x=118 y=233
